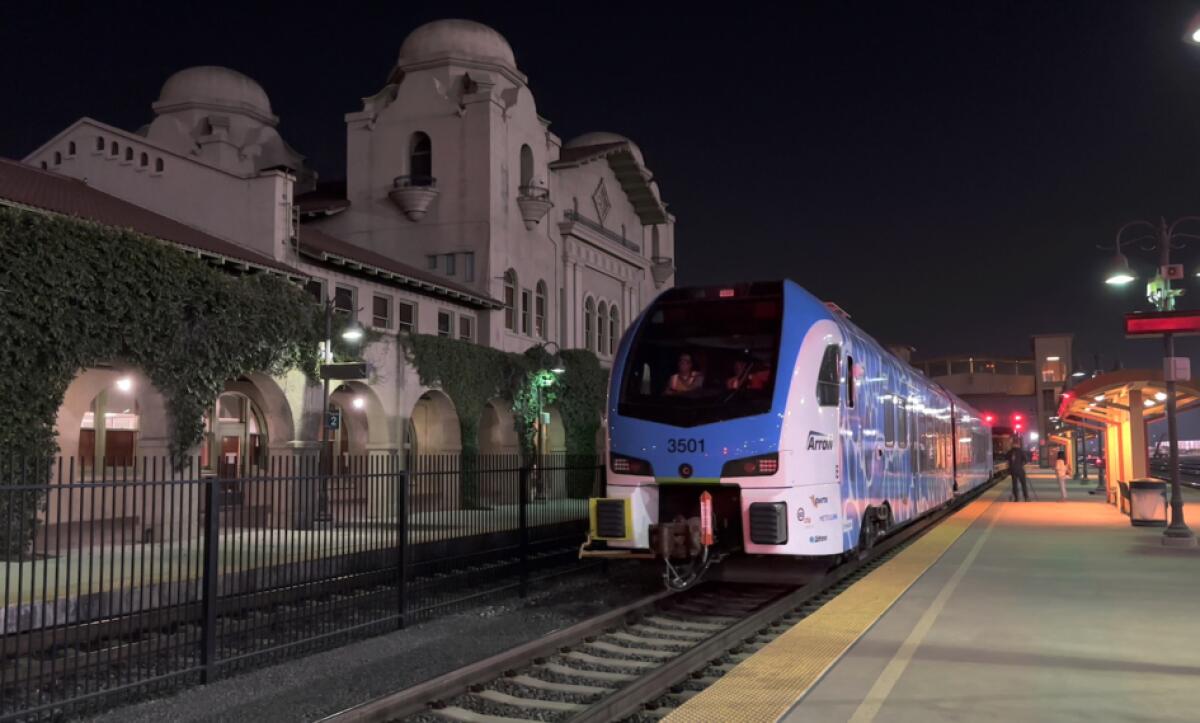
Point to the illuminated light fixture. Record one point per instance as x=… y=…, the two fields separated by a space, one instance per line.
x=1099 y=397
x=1033 y=436
x=1053 y=358
x=1079 y=373
x=125 y=384
x=1161 y=396
x=725 y=293
x=353 y=332
x=1119 y=271
x=1148 y=403
x=359 y=403
x=1196 y=35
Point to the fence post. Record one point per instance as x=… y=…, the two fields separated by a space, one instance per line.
x=401 y=543
x=210 y=580
x=523 y=523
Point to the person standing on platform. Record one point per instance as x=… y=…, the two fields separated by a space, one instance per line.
x=1062 y=471
x=1017 y=459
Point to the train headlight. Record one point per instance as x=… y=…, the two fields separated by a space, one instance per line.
x=759 y=466
x=629 y=465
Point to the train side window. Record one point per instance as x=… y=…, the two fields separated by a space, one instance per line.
x=849 y=381
x=827 y=377
x=902 y=413
x=889 y=420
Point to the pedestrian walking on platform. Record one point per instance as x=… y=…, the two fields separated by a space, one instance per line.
x=1062 y=470
x=1017 y=459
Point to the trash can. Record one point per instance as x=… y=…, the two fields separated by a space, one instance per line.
x=1148 y=503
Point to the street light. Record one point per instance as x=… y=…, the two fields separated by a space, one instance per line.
x=1164 y=238
x=542 y=380
x=353 y=333
x=1119 y=271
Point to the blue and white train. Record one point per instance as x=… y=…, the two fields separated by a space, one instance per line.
x=794 y=431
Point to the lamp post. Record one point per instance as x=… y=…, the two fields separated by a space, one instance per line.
x=1162 y=237
x=353 y=333
x=544 y=378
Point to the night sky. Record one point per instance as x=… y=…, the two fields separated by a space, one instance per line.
x=943 y=171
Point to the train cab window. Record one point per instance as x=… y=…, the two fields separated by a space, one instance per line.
x=701 y=356
x=849 y=381
x=827 y=377
x=889 y=420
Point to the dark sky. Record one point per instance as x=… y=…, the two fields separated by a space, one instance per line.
x=943 y=171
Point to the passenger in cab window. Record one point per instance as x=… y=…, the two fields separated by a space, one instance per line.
x=687 y=379
x=748 y=374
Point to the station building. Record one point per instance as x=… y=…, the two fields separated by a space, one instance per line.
x=462 y=214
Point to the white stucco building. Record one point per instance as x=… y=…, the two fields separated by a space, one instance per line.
x=461 y=214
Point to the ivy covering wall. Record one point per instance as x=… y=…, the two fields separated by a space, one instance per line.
x=75 y=294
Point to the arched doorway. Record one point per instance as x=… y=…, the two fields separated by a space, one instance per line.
x=108 y=430
x=235 y=438
x=434 y=425
x=434 y=444
x=500 y=450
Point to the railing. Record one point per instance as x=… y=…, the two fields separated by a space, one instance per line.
x=122 y=580
x=576 y=217
x=414 y=182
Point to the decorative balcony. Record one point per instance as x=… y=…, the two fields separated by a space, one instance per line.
x=413 y=194
x=662 y=269
x=535 y=204
x=572 y=217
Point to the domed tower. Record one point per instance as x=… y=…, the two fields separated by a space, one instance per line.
x=224 y=118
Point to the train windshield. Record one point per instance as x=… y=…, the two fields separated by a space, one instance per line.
x=704 y=356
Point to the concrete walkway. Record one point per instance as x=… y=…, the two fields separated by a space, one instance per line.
x=1041 y=611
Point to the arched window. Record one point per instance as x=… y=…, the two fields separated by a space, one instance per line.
x=57 y=158
x=655 y=251
x=420 y=159
x=510 y=300
x=589 y=311
x=113 y=149
x=129 y=154
x=614 y=329
x=99 y=143
x=601 y=328
x=526 y=166
x=158 y=165
x=71 y=148
x=144 y=160
x=539 y=310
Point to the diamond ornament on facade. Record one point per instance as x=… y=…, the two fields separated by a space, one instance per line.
x=600 y=198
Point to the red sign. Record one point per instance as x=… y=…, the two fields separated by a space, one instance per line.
x=1158 y=323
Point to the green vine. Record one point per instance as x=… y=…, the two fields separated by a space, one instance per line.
x=77 y=295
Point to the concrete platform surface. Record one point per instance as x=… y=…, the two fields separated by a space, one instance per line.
x=1040 y=611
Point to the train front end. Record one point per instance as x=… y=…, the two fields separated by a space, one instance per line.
x=717 y=440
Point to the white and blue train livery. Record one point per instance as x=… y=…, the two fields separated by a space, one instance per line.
x=793 y=430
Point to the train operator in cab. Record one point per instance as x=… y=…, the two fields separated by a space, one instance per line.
x=687 y=379
x=747 y=374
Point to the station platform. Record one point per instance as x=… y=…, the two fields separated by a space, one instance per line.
x=1005 y=611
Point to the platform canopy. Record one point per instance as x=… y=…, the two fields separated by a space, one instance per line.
x=1119 y=405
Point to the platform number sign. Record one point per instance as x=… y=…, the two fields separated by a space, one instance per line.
x=334 y=420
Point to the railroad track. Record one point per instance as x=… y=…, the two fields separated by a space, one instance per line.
x=638 y=662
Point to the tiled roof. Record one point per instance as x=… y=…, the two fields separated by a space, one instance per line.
x=582 y=153
x=319 y=245
x=47 y=191
x=327 y=198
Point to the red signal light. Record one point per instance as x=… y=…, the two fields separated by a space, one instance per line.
x=1017 y=417
x=1018 y=426
x=989 y=418
x=725 y=293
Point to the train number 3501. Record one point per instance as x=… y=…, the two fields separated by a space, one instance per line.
x=685 y=445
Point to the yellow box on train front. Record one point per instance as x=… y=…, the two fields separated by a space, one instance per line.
x=606 y=529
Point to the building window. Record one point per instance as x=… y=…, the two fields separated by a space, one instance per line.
x=510 y=300
x=469 y=266
x=614 y=329
x=1053 y=370
x=406 y=317
x=129 y=154
x=158 y=165
x=589 y=310
x=525 y=310
x=144 y=160
x=526 y=166
x=316 y=289
x=431 y=262
x=57 y=158
x=343 y=300
x=445 y=323
x=44 y=166
x=450 y=266
x=539 y=310
x=381 y=312
x=71 y=148
x=420 y=160
x=113 y=149
x=100 y=143
x=601 y=325
x=466 y=328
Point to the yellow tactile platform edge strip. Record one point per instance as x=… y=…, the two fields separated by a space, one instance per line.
x=766 y=685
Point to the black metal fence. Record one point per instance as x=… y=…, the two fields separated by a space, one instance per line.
x=120 y=580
